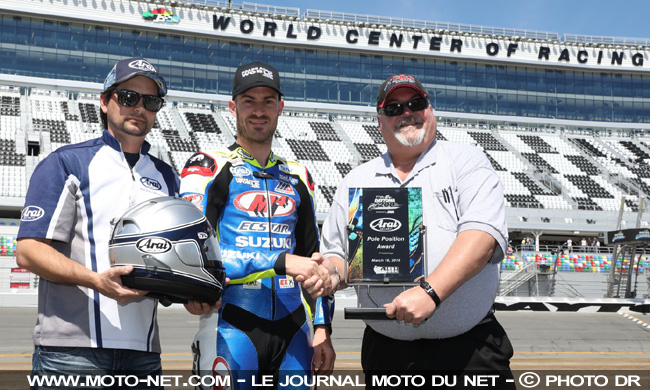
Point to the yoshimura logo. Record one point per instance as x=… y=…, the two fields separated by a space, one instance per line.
x=153 y=245
x=385 y=225
x=31 y=213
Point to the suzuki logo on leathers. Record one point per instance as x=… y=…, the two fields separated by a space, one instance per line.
x=256 y=204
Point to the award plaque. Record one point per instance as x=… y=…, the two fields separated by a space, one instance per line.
x=385 y=236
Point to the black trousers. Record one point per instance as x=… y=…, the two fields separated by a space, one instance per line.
x=454 y=362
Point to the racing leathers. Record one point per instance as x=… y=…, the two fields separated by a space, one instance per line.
x=260 y=214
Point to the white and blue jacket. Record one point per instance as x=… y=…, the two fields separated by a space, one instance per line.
x=73 y=195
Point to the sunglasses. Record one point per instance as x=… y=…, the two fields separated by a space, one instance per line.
x=129 y=98
x=395 y=109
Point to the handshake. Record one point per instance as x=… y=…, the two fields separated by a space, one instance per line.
x=319 y=276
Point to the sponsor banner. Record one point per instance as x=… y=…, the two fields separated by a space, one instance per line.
x=265 y=204
x=629 y=236
x=385 y=242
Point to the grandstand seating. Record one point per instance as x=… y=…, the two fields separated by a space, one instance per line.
x=7 y=245
x=541 y=171
x=579 y=262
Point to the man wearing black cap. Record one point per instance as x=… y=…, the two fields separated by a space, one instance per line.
x=262 y=208
x=444 y=325
x=88 y=322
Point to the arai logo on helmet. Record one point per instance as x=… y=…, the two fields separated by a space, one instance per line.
x=153 y=245
x=150 y=183
x=385 y=225
x=142 y=65
x=31 y=213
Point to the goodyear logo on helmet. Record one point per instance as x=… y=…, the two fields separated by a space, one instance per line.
x=153 y=245
x=150 y=183
x=31 y=213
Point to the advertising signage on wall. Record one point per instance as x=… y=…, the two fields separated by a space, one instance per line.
x=161 y=15
x=501 y=47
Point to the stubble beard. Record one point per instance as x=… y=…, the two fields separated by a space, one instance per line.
x=244 y=133
x=129 y=129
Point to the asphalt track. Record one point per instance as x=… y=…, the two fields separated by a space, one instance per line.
x=542 y=340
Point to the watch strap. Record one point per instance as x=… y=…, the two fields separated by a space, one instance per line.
x=432 y=293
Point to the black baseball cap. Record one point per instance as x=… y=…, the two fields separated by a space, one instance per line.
x=399 y=81
x=255 y=74
x=129 y=68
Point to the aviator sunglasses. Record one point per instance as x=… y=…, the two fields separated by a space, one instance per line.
x=395 y=109
x=129 y=98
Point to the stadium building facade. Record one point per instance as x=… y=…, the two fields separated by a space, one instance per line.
x=537 y=102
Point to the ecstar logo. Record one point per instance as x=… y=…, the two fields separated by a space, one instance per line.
x=153 y=245
x=385 y=225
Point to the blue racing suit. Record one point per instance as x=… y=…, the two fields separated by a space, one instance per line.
x=260 y=214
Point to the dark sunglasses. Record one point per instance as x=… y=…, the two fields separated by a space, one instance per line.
x=395 y=109
x=129 y=98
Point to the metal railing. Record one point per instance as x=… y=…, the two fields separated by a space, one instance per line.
x=441 y=27
x=509 y=282
x=383 y=21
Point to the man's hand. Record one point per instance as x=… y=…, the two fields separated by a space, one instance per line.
x=324 y=354
x=316 y=289
x=314 y=277
x=413 y=306
x=200 y=308
x=109 y=283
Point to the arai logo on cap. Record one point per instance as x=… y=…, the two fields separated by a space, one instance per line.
x=142 y=65
x=153 y=245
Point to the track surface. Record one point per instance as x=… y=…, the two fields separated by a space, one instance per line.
x=541 y=340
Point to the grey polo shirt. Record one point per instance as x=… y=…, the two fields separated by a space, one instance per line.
x=477 y=204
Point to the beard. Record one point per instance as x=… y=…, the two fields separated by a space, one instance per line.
x=417 y=135
x=257 y=137
x=124 y=127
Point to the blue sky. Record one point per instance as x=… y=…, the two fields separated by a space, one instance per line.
x=611 y=18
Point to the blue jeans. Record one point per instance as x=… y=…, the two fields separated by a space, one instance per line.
x=79 y=361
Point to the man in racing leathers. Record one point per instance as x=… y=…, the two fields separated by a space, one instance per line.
x=262 y=208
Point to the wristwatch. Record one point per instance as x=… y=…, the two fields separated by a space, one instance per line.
x=427 y=287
